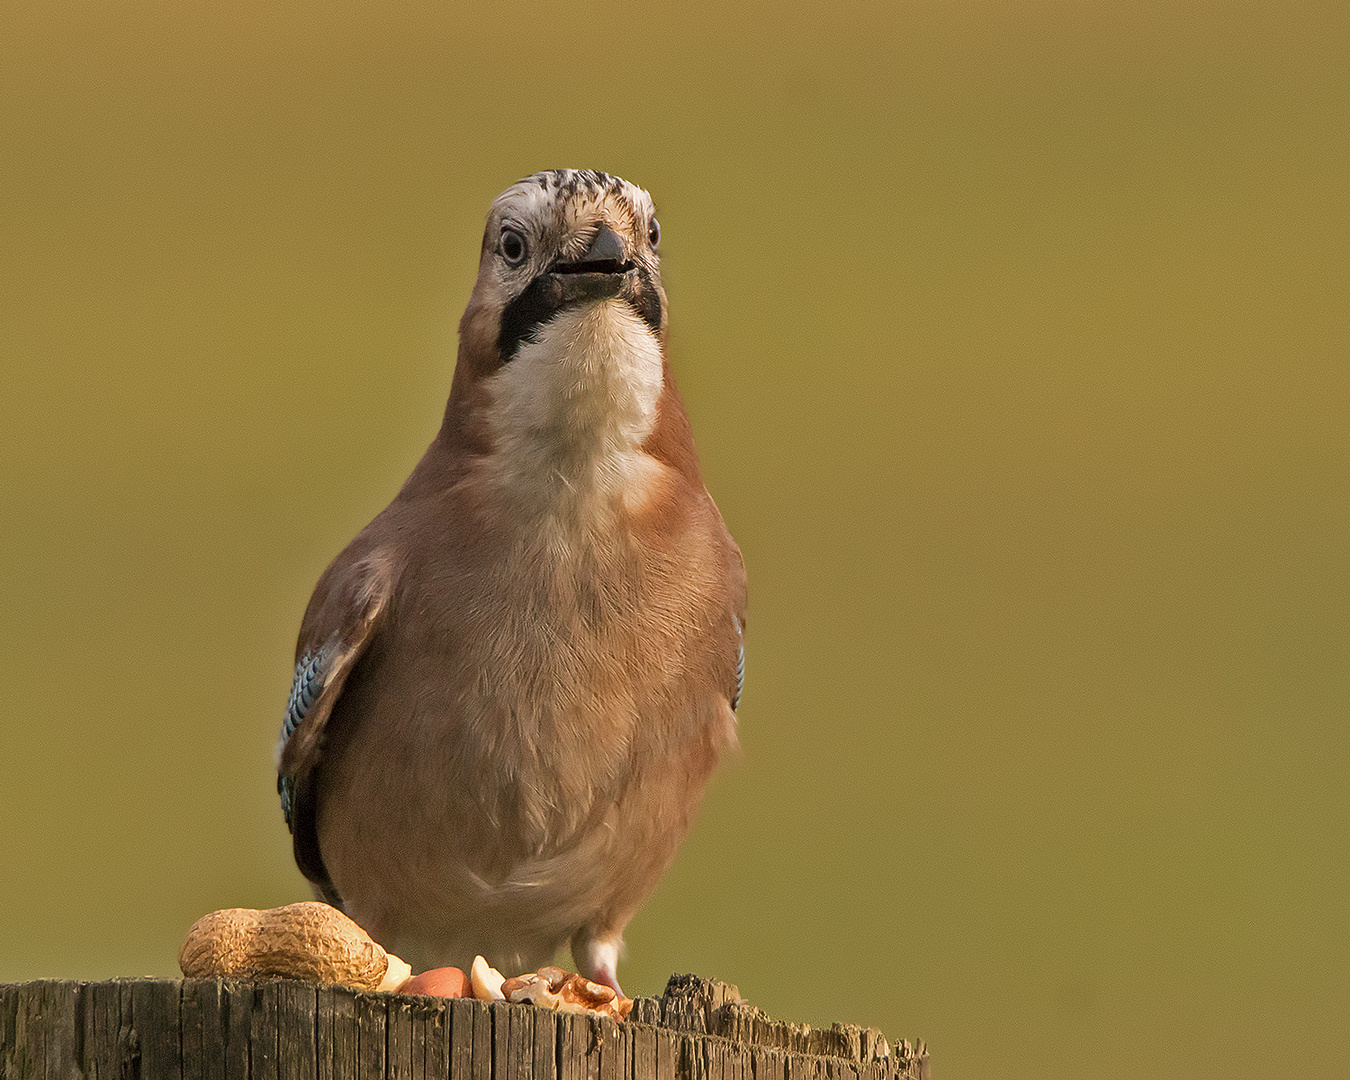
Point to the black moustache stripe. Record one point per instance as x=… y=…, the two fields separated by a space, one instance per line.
x=526 y=314
x=647 y=302
x=546 y=295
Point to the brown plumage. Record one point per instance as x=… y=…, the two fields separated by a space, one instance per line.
x=514 y=683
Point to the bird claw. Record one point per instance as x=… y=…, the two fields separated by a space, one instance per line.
x=606 y=976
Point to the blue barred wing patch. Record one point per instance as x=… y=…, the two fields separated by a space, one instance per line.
x=310 y=674
x=284 y=788
x=740 y=663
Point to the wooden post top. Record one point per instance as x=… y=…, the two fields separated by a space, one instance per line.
x=227 y=1029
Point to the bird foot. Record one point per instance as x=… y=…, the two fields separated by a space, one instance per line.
x=607 y=976
x=598 y=960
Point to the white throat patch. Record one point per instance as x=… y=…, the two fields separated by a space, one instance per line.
x=573 y=408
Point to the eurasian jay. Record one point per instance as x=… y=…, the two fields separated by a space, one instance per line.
x=511 y=688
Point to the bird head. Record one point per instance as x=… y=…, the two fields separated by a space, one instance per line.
x=561 y=359
x=556 y=241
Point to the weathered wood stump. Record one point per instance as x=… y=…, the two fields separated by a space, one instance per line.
x=224 y=1029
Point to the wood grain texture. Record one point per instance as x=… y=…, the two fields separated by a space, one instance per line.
x=519 y=1042
x=399 y=1039
x=231 y=1029
x=483 y=1049
x=461 y=1039
x=432 y=1022
x=371 y=1025
x=264 y=1045
x=100 y=1051
x=338 y=1034
x=297 y=1031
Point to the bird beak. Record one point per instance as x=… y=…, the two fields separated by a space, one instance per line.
x=604 y=256
x=600 y=273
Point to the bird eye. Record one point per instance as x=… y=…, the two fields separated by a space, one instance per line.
x=513 y=247
x=654 y=234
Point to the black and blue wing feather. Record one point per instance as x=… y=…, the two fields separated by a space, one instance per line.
x=740 y=663
x=310 y=675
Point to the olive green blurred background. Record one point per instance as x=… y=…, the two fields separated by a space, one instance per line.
x=1015 y=341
